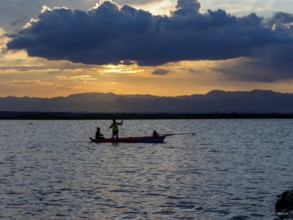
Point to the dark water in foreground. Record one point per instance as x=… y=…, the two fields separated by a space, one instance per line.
x=231 y=169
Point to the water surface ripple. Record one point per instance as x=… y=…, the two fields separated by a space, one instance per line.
x=230 y=169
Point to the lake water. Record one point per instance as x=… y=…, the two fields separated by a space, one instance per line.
x=230 y=169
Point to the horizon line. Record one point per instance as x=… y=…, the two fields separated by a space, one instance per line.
x=117 y=94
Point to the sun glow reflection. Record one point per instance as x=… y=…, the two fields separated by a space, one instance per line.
x=121 y=69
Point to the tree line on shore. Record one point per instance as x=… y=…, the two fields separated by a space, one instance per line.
x=129 y=116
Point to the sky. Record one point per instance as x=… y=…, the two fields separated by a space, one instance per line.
x=52 y=48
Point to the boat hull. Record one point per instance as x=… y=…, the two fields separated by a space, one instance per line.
x=146 y=139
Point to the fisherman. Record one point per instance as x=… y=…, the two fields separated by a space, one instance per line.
x=155 y=133
x=98 y=134
x=115 y=129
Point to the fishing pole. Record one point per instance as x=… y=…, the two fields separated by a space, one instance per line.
x=193 y=133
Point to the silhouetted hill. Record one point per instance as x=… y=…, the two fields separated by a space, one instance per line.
x=257 y=101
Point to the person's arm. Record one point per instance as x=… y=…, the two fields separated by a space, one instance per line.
x=121 y=122
x=111 y=126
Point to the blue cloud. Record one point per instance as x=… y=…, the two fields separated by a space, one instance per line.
x=110 y=34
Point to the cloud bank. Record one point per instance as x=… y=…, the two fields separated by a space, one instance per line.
x=109 y=34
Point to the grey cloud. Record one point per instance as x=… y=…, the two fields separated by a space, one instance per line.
x=109 y=34
x=269 y=64
x=187 y=6
x=16 y=13
x=161 y=71
x=282 y=22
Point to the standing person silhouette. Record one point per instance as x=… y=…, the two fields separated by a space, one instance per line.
x=115 y=129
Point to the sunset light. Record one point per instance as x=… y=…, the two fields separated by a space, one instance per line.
x=167 y=48
x=146 y=109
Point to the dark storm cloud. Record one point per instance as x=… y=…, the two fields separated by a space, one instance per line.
x=109 y=34
x=268 y=64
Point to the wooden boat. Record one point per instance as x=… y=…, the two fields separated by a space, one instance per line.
x=144 y=139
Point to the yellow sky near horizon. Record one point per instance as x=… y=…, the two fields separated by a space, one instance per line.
x=35 y=77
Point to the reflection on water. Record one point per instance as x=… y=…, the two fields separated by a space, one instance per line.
x=231 y=169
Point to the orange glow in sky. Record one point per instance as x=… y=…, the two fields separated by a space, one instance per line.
x=23 y=75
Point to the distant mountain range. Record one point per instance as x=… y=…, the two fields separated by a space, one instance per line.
x=257 y=101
